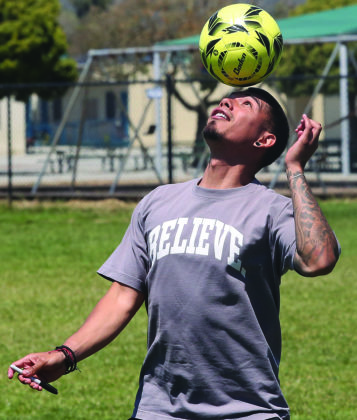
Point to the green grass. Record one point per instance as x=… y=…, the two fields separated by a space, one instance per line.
x=319 y=322
x=49 y=257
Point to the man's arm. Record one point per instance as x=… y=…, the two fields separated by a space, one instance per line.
x=316 y=245
x=109 y=317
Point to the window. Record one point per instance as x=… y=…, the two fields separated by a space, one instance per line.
x=91 y=108
x=57 y=109
x=110 y=105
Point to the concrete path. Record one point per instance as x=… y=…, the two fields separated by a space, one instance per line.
x=98 y=173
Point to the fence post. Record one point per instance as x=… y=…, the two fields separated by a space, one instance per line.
x=344 y=110
x=157 y=76
x=169 y=127
x=9 y=153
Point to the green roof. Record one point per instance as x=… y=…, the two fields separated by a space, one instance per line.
x=326 y=24
x=332 y=22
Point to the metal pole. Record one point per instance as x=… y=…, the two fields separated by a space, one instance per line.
x=321 y=82
x=169 y=127
x=62 y=123
x=157 y=76
x=143 y=149
x=79 y=138
x=9 y=153
x=307 y=109
x=344 y=110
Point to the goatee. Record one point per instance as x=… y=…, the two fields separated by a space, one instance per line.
x=210 y=133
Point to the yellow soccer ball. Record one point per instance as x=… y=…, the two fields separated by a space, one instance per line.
x=240 y=45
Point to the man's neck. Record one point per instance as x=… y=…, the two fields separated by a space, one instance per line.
x=220 y=175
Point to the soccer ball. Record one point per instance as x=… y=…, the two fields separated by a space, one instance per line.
x=240 y=45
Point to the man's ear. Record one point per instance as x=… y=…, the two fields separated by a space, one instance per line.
x=266 y=140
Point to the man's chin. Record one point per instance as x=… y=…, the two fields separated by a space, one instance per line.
x=210 y=133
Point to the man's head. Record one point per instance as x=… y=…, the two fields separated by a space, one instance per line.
x=251 y=119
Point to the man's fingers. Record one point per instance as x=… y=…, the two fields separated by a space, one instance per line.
x=10 y=373
x=30 y=371
x=25 y=380
x=29 y=365
x=308 y=130
x=35 y=386
x=30 y=383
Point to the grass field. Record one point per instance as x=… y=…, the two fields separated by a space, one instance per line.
x=49 y=257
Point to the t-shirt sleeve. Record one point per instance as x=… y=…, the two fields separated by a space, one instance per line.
x=129 y=262
x=283 y=240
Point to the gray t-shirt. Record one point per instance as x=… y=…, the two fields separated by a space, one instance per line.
x=209 y=262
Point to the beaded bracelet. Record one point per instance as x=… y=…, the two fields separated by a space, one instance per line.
x=70 y=358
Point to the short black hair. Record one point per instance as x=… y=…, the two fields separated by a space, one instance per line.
x=278 y=124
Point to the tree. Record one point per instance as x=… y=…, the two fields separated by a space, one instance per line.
x=283 y=8
x=33 y=48
x=141 y=23
x=129 y=23
x=82 y=7
x=308 y=59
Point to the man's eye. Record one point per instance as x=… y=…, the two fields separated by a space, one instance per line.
x=247 y=103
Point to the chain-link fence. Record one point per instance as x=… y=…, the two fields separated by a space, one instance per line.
x=110 y=135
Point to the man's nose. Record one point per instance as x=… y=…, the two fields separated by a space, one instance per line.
x=226 y=102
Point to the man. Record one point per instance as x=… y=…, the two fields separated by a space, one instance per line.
x=207 y=256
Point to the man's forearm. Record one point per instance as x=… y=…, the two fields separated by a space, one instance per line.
x=316 y=244
x=106 y=321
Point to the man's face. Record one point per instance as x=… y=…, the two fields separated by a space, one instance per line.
x=239 y=119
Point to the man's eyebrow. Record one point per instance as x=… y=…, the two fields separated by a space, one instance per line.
x=261 y=103
x=257 y=100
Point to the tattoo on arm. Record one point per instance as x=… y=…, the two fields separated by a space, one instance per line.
x=314 y=236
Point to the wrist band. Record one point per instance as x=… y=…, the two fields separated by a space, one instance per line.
x=70 y=359
x=296 y=176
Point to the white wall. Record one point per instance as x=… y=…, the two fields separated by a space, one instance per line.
x=18 y=133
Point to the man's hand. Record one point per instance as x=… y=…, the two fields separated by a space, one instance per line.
x=47 y=366
x=308 y=132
